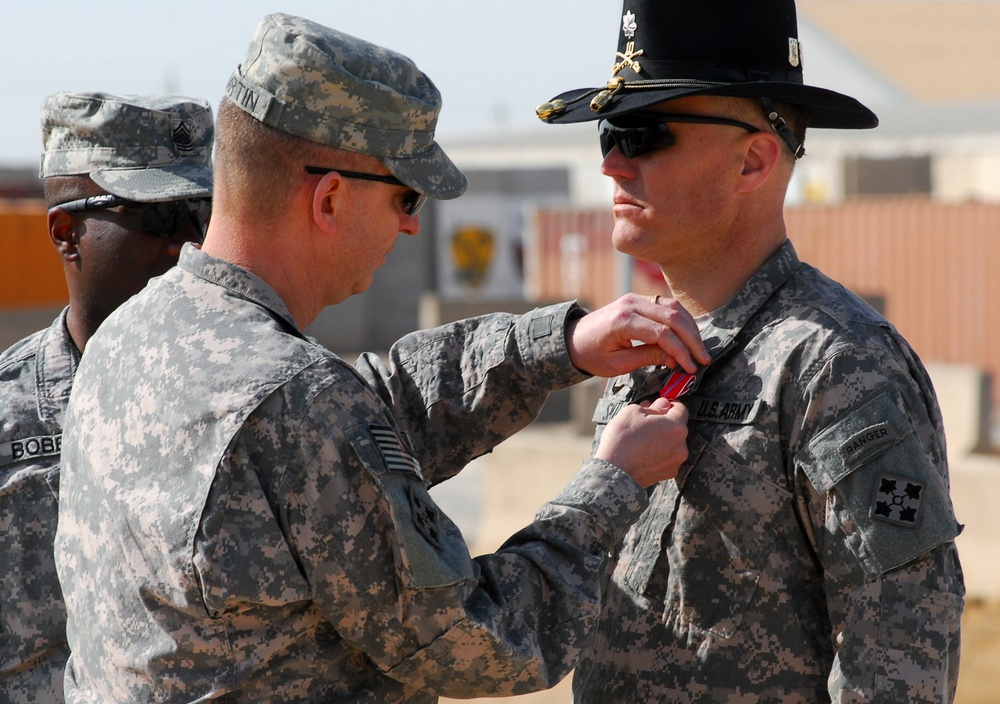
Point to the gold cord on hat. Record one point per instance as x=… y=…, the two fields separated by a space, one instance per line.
x=602 y=99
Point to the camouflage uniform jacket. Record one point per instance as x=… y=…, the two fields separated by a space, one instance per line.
x=805 y=552
x=36 y=376
x=243 y=515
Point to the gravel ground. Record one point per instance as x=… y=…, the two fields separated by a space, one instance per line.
x=499 y=493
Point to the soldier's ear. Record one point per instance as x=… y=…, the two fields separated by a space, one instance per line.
x=762 y=152
x=63 y=233
x=327 y=199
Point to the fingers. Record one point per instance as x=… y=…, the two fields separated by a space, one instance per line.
x=646 y=440
x=662 y=406
x=634 y=332
x=669 y=334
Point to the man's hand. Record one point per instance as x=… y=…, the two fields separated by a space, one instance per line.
x=600 y=343
x=647 y=441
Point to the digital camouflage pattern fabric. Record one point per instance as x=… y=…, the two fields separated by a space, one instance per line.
x=36 y=376
x=244 y=516
x=805 y=551
x=146 y=148
x=329 y=87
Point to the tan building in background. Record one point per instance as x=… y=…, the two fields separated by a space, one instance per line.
x=935 y=51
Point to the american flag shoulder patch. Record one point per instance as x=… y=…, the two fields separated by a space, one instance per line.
x=395 y=455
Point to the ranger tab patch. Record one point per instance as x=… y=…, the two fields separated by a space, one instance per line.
x=897 y=501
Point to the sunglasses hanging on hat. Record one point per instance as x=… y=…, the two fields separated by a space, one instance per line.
x=160 y=219
x=669 y=49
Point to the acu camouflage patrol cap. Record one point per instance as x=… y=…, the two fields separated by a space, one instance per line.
x=145 y=148
x=329 y=87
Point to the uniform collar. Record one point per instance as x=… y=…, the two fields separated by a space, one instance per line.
x=726 y=323
x=720 y=329
x=235 y=279
x=56 y=360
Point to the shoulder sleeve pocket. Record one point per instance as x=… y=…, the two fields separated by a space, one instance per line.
x=428 y=548
x=891 y=500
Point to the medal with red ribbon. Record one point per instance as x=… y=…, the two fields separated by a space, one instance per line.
x=678 y=383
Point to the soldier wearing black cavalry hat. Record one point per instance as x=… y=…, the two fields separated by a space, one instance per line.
x=805 y=552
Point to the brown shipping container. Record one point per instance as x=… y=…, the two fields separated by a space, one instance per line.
x=31 y=274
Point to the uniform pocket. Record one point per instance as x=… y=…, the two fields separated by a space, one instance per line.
x=722 y=537
x=428 y=548
x=891 y=498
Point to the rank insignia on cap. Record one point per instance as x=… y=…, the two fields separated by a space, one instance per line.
x=628 y=24
x=426 y=517
x=897 y=501
x=794 y=57
x=182 y=137
x=628 y=56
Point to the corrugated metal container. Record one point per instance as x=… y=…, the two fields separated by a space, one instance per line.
x=569 y=255
x=31 y=273
x=934 y=264
x=934 y=267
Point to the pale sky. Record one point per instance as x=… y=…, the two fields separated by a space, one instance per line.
x=493 y=61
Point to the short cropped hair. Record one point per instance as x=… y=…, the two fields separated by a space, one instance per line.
x=263 y=165
x=752 y=110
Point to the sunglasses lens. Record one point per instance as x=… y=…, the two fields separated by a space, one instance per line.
x=413 y=203
x=160 y=219
x=607 y=139
x=165 y=219
x=634 y=136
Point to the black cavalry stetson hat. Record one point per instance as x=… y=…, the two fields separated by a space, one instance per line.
x=670 y=49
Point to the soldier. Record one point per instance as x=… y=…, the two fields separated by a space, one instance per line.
x=127 y=180
x=805 y=551
x=245 y=516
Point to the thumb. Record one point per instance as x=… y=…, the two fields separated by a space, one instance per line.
x=661 y=405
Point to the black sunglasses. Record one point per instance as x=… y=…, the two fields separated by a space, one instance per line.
x=412 y=201
x=162 y=219
x=639 y=133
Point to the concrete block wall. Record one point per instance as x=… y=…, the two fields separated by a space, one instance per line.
x=963 y=393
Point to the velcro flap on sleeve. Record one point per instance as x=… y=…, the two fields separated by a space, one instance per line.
x=428 y=547
x=890 y=498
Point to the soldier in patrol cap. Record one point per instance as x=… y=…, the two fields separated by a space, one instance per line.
x=245 y=516
x=127 y=180
x=805 y=552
